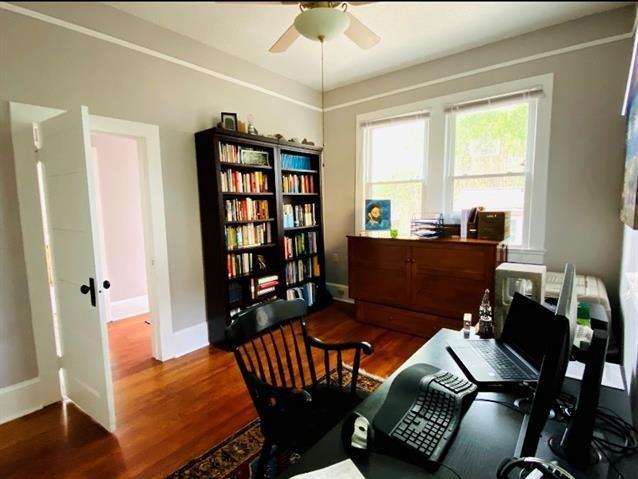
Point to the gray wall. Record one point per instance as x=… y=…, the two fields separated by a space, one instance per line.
x=586 y=147
x=47 y=65
x=17 y=358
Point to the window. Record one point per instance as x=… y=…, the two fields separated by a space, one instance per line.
x=485 y=147
x=395 y=162
x=490 y=159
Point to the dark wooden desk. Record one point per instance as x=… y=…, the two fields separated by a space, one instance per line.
x=487 y=434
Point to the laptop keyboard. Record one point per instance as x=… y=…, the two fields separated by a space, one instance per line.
x=501 y=362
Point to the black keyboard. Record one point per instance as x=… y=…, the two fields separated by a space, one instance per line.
x=501 y=362
x=428 y=427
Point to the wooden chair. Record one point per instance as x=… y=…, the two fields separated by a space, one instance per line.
x=275 y=355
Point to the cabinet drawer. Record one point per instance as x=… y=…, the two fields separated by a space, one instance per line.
x=454 y=261
x=421 y=324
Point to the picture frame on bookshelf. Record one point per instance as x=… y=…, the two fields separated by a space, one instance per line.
x=229 y=121
x=254 y=157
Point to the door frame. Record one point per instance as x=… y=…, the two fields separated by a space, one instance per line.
x=153 y=213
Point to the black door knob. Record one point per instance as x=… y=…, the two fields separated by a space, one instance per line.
x=84 y=289
x=106 y=284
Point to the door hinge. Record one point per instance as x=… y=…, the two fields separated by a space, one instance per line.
x=37 y=137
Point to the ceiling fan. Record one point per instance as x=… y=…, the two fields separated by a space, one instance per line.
x=321 y=21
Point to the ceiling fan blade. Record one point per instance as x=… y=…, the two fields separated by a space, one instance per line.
x=284 y=42
x=360 y=34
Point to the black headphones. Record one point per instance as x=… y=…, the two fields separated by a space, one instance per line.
x=549 y=469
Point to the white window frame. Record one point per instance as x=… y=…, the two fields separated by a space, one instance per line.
x=367 y=156
x=436 y=175
x=527 y=174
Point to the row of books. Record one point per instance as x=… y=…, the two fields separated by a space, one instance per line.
x=307 y=292
x=244 y=156
x=233 y=181
x=300 y=244
x=246 y=209
x=298 y=184
x=262 y=286
x=301 y=269
x=248 y=235
x=244 y=263
x=299 y=215
x=295 y=162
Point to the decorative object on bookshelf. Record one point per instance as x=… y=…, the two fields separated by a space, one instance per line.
x=305 y=141
x=378 y=214
x=241 y=127
x=251 y=126
x=254 y=157
x=246 y=241
x=229 y=121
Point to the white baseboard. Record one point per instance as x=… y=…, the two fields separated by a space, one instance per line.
x=129 y=307
x=20 y=399
x=189 y=339
x=339 y=292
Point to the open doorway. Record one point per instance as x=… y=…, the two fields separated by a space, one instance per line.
x=118 y=169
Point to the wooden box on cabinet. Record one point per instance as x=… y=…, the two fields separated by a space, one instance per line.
x=420 y=286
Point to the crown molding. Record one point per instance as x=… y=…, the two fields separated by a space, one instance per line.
x=150 y=52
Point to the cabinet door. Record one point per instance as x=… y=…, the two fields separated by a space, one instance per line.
x=449 y=279
x=379 y=271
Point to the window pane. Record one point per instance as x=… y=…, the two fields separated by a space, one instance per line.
x=491 y=140
x=501 y=194
x=406 y=202
x=397 y=151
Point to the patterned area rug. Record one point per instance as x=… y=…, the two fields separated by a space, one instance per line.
x=236 y=457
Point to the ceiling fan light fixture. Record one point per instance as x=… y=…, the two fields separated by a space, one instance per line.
x=322 y=23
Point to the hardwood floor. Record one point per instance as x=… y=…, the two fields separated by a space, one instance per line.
x=167 y=413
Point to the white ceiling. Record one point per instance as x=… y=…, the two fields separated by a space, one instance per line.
x=411 y=32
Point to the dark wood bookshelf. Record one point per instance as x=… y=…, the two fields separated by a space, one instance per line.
x=213 y=223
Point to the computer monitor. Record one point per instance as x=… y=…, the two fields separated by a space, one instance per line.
x=560 y=337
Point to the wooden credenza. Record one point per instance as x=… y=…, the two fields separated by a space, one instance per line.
x=420 y=286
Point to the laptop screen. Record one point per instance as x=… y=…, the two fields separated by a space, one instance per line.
x=525 y=328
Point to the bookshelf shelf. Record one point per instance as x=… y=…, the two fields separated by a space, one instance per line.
x=247 y=222
x=300 y=228
x=228 y=164
x=242 y=249
x=296 y=170
x=225 y=295
x=228 y=193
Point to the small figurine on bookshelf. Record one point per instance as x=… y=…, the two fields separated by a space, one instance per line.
x=261 y=262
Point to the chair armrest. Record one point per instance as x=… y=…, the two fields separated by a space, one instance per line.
x=362 y=345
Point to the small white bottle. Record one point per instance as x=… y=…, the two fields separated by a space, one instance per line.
x=467 y=325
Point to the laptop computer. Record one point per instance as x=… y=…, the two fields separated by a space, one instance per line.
x=514 y=358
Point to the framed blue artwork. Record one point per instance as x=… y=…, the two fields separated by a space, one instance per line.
x=629 y=211
x=378 y=215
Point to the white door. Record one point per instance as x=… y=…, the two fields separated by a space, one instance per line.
x=76 y=259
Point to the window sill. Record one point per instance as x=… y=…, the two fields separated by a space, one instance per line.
x=518 y=254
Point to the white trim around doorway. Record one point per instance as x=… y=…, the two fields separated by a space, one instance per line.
x=153 y=212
